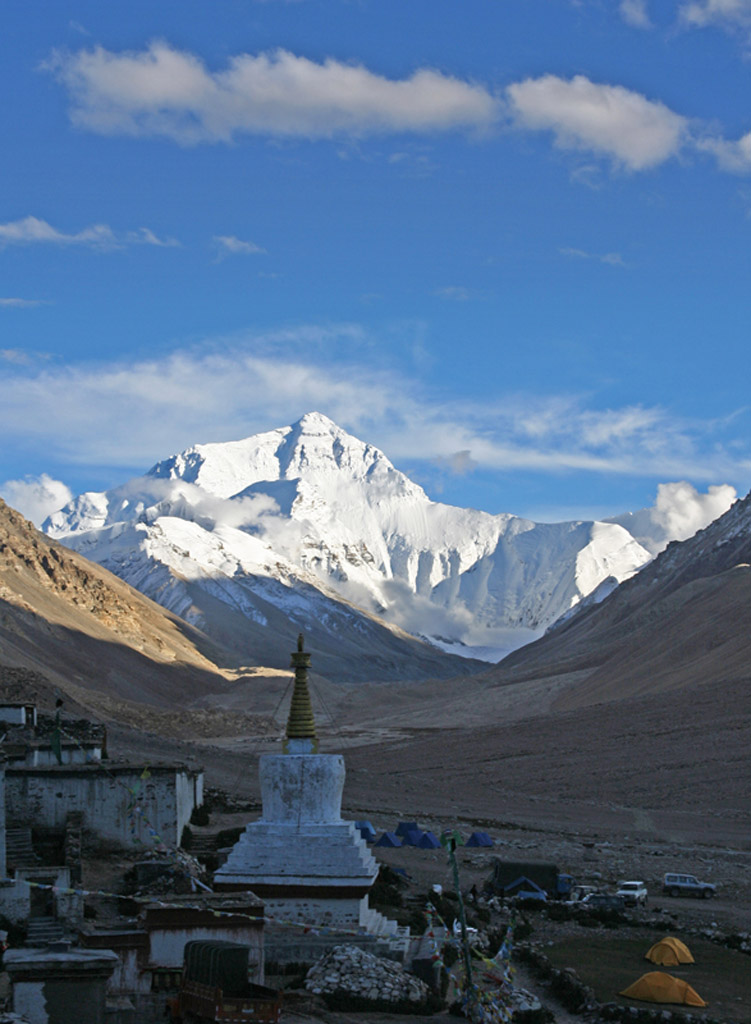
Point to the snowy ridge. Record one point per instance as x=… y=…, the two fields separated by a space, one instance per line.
x=309 y=509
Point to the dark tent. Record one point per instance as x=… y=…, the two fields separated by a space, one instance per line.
x=525 y=888
x=366 y=830
x=429 y=842
x=407 y=826
x=479 y=839
x=413 y=837
x=388 y=839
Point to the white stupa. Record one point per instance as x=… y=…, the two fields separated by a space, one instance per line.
x=300 y=857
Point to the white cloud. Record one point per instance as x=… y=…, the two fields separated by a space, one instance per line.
x=15 y=355
x=145 y=236
x=635 y=13
x=132 y=414
x=36 y=497
x=164 y=91
x=236 y=246
x=636 y=133
x=34 y=231
x=727 y=13
x=459 y=463
x=23 y=356
x=678 y=513
x=612 y=259
x=14 y=303
x=734 y=157
x=152 y=497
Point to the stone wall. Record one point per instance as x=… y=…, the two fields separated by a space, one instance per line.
x=350 y=976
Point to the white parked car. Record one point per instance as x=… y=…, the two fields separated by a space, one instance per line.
x=634 y=893
x=687 y=885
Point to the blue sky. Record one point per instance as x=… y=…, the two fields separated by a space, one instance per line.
x=505 y=241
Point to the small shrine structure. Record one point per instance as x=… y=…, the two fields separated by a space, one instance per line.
x=305 y=862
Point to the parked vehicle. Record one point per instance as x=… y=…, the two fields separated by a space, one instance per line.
x=578 y=892
x=686 y=885
x=215 y=987
x=604 y=901
x=634 y=893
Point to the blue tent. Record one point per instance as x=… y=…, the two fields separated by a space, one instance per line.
x=413 y=837
x=406 y=826
x=479 y=839
x=525 y=888
x=429 y=842
x=388 y=839
x=366 y=830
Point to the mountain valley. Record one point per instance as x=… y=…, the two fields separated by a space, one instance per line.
x=629 y=717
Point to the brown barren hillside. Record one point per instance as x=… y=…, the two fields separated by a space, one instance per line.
x=683 y=621
x=80 y=626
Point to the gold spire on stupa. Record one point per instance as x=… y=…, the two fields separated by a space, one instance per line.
x=301 y=726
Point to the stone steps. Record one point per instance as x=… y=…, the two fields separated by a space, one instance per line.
x=43 y=930
x=19 y=850
x=203 y=846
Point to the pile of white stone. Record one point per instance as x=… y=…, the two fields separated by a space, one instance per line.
x=351 y=971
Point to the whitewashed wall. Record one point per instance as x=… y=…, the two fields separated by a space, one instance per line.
x=118 y=804
x=15 y=714
x=83 y=753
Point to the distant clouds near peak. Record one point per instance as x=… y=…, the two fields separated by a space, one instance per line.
x=137 y=409
x=36 y=497
x=679 y=511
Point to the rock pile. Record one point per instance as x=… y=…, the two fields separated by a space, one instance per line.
x=353 y=975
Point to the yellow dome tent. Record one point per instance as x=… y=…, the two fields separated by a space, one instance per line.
x=658 y=987
x=669 y=951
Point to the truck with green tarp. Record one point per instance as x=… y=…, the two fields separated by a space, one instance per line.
x=215 y=987
x=545 y=875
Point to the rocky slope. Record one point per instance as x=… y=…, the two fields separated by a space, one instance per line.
x=76 y=623
x=684 y=620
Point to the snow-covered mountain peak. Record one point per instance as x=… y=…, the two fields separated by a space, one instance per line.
x=309 y=505
x=314 y=447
